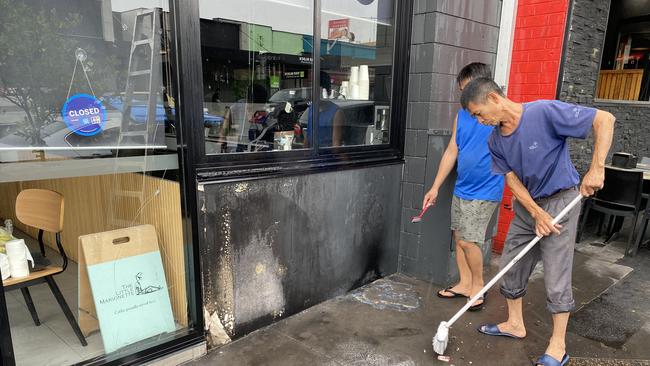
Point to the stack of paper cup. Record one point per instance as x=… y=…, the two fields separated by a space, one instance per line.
x=364 y=82
x=354 y=75
x=354 y=82
x=18 y=255
x=354 y=93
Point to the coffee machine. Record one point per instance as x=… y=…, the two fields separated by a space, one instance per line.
x=379 y=131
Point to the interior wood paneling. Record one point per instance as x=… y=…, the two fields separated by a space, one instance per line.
x=619 y=84
x=105 y=202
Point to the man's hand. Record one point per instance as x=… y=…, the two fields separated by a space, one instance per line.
x=430 y=197
x=593 y=181
x=544 y=224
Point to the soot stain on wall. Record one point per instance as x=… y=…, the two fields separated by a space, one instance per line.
x=274 y=247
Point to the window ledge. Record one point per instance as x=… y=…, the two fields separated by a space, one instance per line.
x=277 y=169
x=635 y=103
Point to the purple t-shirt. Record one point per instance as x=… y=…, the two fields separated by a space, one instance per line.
x=537 y=151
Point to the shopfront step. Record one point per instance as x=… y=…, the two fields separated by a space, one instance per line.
x=181 y=357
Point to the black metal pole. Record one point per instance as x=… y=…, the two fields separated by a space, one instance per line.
x=315 y=90
x=186 y=50
x=6 y=346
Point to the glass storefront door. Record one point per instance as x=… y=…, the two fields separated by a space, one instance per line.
x=93 y=254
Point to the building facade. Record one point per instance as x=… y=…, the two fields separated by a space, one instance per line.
x=258 y=166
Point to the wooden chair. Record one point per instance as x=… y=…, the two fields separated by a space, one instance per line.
x=43 y=209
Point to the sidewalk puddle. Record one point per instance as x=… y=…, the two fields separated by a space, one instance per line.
x=386 y=294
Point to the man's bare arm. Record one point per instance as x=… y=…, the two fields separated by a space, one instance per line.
x=446 y=166
x=603 y=126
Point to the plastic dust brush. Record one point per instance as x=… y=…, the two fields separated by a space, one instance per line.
x=418 y=218
x=441 y=338
x=442 y=335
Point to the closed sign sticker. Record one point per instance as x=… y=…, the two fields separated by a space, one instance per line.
x=84 y=114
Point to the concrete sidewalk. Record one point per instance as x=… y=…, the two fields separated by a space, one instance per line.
x=391 y=322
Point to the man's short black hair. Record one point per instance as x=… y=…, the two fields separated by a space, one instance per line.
x=325 y=81
x=477 y=91
x=473 y=71
x=256 y=93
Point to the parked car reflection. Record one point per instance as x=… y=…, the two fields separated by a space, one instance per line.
x=57 y=135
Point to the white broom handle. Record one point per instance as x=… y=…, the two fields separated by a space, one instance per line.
x=512 y=262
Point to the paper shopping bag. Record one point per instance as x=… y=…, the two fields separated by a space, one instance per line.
x=130 y=298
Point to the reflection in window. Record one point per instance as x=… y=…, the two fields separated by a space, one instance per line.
x=257 y=72
x=83 y=79
x=356 y=72
x=625 y=65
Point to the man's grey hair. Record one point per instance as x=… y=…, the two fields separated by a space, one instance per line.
x=477 y=91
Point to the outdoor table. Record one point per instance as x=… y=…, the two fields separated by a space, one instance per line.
x=646 y=171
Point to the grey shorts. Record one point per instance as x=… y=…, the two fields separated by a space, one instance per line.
x=470 y=218
x=555 y=251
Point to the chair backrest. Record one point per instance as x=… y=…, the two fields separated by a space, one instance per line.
x=622 y=186
x=40 y=208
x=624 y=160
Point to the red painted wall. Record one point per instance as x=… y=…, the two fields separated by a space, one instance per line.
x=536 y=57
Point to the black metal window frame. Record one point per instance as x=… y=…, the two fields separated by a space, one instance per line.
x=235 y=166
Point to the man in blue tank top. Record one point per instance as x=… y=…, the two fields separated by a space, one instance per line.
x=476 y=195
x=529 y=147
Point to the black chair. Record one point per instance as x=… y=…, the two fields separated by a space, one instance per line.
x=641 y=229
x=621 y=197
x=644 y=165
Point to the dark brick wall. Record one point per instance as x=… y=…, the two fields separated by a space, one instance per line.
x=446 y=35
x=588 y=25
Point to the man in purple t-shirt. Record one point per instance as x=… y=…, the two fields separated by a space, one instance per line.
x=529 y=147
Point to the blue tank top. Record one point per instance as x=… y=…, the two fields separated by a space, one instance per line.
x=475 y=179
x=326 y=123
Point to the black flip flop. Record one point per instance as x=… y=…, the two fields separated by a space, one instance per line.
x=448 y=289
x=479 y=306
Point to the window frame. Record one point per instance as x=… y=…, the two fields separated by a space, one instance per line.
x=209 y=167
x=596 y=100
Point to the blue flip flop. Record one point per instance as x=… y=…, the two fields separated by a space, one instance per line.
x=547 y=360
x=493 y=330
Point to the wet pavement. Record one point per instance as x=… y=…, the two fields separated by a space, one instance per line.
x=391 y=322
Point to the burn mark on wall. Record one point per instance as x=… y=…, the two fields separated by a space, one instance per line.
x=258 y=276
x=274 y=247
